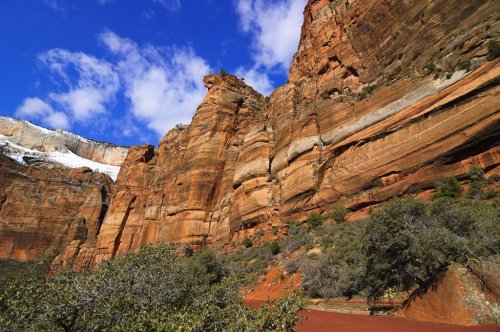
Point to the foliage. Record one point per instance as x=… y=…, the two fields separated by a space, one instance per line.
x=338 y=269
x=366 y=91
x=403 y=245
x=449 y=187
x=339 y=213
x=156 y=289
x=275 y=248
x=465 y=64
x=477 y=183
x=314 y=219
x=493 y=49
x=408 y=241
x=293 y=227
x=247 y=242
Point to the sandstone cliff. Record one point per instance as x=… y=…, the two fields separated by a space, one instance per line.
x=383 y=99
x=27 y=135
x=44 y=206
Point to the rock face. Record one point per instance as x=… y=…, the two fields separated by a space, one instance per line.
x=48 y=207
x=460 y=297
x=383 y=99
x=33 y=137
x=185 y=191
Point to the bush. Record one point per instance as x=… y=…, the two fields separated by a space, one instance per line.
x=293 y=227
x=275 y=248
x=407 y=243
x=400 y=250
x=339 y=213
x=449 y=187
x=247 y=242
x=477 y=182
x=314 y=219
x=156 y=289
x=493 y=49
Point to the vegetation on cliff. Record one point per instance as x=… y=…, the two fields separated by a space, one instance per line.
x=402 y=245
x=160 y=288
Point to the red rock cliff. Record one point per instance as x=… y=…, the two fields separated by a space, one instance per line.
x=383 y=98
x=44 y=206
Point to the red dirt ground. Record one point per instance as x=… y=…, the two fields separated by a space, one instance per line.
x=326 y=321
x=273 y=285
x=323 y=321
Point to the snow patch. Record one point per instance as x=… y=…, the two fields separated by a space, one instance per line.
x=67 y=133
x=68 y=159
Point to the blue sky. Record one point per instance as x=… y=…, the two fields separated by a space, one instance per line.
x=126 y=71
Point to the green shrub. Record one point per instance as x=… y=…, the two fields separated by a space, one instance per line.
x=407 y=243
x=293 y=227
x=156 y=289
x=465 y=64
x=493 y=49
x=339 y=213
x=401 y=248
x=275 y=248
x=314 y=219
x=449 y=187
x=477 y=182
x=247 y=242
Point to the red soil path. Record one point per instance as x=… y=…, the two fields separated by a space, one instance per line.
x=323 y=321
x=326 y=321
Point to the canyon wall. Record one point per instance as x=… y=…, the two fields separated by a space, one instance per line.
x=383 y=99
x=46 y=207
x=33 y=137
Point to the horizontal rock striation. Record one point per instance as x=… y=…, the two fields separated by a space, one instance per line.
x=46 y=207
x=383 y=99
x=34 y=137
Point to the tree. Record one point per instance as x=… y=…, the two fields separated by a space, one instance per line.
x=157 y=289
x=402 y=247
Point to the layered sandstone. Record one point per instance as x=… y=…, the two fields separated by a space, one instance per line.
x=178 y=193
x=44 y=207
x=383 y=99
x=33 y=137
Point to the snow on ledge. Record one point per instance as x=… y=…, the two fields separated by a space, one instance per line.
x=68 y=159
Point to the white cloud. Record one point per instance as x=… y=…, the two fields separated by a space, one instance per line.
x=274 y=27
x=164 y=86
x=57 y=120
x=92 y=85
x=256 y=79
x=33 y=107
x=36 y=109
